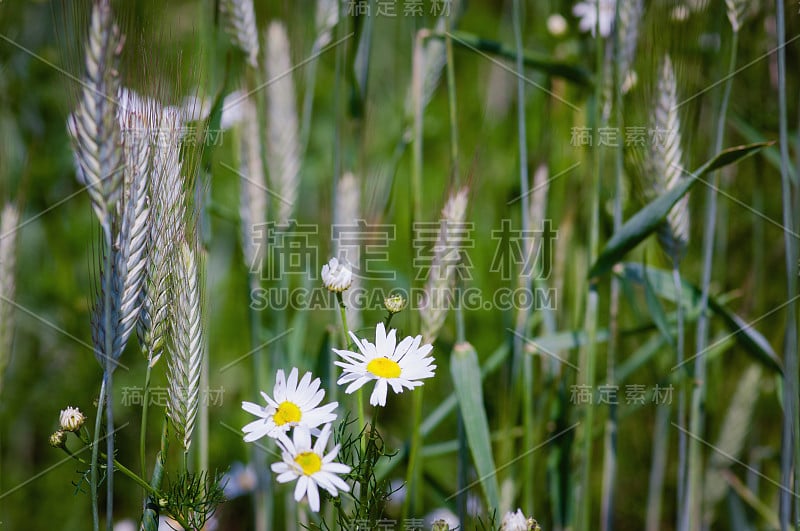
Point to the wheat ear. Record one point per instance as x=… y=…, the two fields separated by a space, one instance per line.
x=185 y=345
x=252 y=186
x=130 y=228
x=434 y=308
x=283 y=147
x=9 y=220
x=325 y=19
x=736 y=12
x=665 y=164
x=93 y=126
x=348 y=213
x=166 y=217
x=240 y=24
x=630 y=16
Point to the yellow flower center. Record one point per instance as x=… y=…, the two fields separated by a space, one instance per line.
x=310 y=462
x=384 y=368
x=287 y=412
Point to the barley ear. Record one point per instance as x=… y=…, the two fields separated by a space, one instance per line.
x=165 y=219
x=283 y=147
x=736 y=12
x=348 y=213
x=252 y=187
x=9 y=221
x=441 y=275
x=240 y=24
x=185 y=345
x=93 y=126
x=665 y=164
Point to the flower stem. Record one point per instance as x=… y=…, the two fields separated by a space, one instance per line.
x=345 y=344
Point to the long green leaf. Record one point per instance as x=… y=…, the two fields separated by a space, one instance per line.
x=466 y=373
x=649 y=218
x=536 y=61
x=747 y=336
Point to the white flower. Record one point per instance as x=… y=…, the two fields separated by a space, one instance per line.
x=310 y=466
x=336 y=275
x=292 y=404
x=71 y=419
x=556 y=25
x=400 y=366
x=587 y=12
x=516 y=522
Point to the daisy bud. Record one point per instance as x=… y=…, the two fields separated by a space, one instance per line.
x=336 y=276
x=72 y=419
x=517 y=522
x=440 y=525
x=58 y=439
x=394 y=304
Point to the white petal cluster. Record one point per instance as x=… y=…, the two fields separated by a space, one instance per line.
x=336 y=275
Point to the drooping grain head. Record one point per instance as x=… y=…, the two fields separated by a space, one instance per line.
x=240 y=24
x=446 y=260
x=9 y=221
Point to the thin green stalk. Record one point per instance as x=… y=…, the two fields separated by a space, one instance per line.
x=93 y=482
x=261 y=495
x=679 y=349
x=692 y=503
x=108 y=359
x=145 y=409
x=790 y=440
x=522 y=318
x=610 y=439
x=590 y=351
x=416 y=215
x=346 y=343
x=657 y=468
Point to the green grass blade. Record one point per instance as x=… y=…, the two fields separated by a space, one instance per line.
x=650 y=217
x=749 y=338
x=466 y=373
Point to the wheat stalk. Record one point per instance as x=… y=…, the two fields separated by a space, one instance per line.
x=252 y=186
x=9 y=220
x=434 y=310
x=665 y=166
x=283 y=148
x=93 y=126
x=240 y=24
x=185 y=345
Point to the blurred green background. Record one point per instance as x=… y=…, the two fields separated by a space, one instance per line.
x=173 y=50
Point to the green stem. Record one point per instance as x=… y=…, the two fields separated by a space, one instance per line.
x=692 y=502
x=522 y=317
x=346 y=344
x=108 y=359
x=262 y=499
x=587 y=365
x=790 y=439
x=93 y=482
x=145 y=409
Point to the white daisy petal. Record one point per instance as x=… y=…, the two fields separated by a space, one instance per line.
x=400 y=365
x=310 y=472
x=292 y=404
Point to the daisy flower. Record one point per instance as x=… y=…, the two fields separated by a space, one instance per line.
x=292 y=404
x=310 y=466
x=336 y=275
x=587 y=12
x=388 y=363
x=71 y=419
